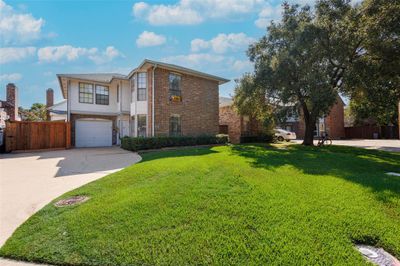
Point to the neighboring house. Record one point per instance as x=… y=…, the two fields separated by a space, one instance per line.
x=58 y=111
x=55 y=112
x=235 y=125
x=154 y=99
x=9 y=107
x=333 y=123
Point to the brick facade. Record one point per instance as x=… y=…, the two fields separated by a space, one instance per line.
x=11 y=108
x=49 y=101
x=334 y=123
x=229 y=117
x=198 y=109
x=238 y=125
x=75 y=117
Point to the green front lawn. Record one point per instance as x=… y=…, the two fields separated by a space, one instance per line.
x=244 y=204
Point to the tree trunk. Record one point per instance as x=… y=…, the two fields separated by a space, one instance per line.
x=309 y=123
x=309 y=133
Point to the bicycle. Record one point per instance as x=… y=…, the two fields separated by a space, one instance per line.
x=325 y=140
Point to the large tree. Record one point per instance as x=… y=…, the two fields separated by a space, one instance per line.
x=373 y=83
x=311 y=55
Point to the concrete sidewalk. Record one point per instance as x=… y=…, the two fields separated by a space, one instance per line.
x=29 y=181
x=392 y=145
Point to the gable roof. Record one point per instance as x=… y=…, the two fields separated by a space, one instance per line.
x=99 y=77
x=177 y=68
x=108 y=77
x=96 y=77
x=59 y=105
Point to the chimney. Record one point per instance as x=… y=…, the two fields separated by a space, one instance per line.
x=12 y=110
x=49 y=101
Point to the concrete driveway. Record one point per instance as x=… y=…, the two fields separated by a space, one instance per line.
x=29 y=181
x=377 y=144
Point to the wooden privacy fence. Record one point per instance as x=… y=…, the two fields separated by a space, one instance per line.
x=24 y=136
x=367 y=132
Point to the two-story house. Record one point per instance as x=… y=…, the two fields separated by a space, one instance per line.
x=154 y=99
x=237 y=126
x=331 y=124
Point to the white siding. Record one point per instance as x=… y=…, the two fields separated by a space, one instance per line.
x=93 y=107
x=58 y=117
x=137 y=107
x=126 y=96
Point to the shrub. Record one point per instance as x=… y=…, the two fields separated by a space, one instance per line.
x=261 y=138
x=141 y=143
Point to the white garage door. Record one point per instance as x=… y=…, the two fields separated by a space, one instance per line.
x=93 y=133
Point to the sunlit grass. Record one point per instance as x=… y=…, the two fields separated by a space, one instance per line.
x=243 y=205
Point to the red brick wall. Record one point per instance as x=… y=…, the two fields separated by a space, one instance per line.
x=12 y=109
x=236 y=124
x=228 y=116
x=335 y=121
x=149 y=101
x=198 y=109
x=75 y=117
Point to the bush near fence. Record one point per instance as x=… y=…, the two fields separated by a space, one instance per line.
x=141 y=143
x=255 y=139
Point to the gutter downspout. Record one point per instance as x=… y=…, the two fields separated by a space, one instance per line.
x=68 y=101
x=152 y=101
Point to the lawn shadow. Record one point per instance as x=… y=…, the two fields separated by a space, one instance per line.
x=176 y=152
x=352 y=164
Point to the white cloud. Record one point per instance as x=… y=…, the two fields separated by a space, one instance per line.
x=65 y=52
x=147 y=39
x=106 y=56
x=267 y=14
x=194 y=60
x=223 y=43
x=70 y=53
x=199 y=44
x=242 y=65
x=189 y=12
x=176 y=14
x=139 y=9
x=18 y=28
x=10 y=77
x=12 y=54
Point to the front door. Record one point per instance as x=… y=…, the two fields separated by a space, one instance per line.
x=124 y=128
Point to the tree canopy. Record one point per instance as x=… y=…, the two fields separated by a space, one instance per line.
x=37 y=112
x=312 y=54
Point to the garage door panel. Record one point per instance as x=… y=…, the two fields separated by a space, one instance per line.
x=93 y=133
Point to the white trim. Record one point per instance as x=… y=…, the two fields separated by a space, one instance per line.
x=91 y=119
x=152 y=101
x=93 y=113
x=69 y=100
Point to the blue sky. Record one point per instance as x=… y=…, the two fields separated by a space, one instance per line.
x=40 y=39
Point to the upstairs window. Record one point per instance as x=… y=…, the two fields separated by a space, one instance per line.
x=142 y=87
x=174 y=86
x=175 y=125
x=85 y=93
x=102 y=95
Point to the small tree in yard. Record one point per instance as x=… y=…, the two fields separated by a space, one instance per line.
x=37 y=112
x=307 y=58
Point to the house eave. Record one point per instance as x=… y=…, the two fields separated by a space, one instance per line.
x=151 y=63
